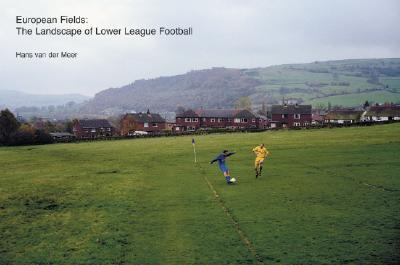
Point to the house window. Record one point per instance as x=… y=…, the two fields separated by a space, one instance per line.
x=306 y=124
x=204 y=119
x=212 y=120
x=297 y=124
x=195 y=119
x=236 y=120
x=243 y=120
x=146 y=125
x=187 y=119
x=297 y=116
x=219 y=120
x=155 y=124
x=93 y=130
x=229 y=120
x=284 y=116
x=253 y=120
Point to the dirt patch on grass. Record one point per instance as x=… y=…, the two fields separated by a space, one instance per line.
x=35 y=203
x=42 y=203
x=111 y=171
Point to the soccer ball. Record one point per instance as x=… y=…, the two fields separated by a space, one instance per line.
x=233 y=180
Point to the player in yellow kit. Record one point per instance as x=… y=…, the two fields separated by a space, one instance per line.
x=261 y=153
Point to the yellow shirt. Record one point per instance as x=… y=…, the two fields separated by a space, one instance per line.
x=261 y=152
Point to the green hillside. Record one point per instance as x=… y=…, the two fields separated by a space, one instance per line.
x=328 y=196
x=346 y=83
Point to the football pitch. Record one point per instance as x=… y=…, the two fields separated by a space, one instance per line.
x=327 y=196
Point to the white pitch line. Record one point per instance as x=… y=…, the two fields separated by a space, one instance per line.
x=242 y=235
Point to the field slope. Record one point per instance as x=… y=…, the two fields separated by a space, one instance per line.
x=328 y=196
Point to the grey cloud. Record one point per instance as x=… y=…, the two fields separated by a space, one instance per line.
x=226 y=33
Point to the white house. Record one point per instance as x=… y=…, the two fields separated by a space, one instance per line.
x=343 y=116
x=382 y=113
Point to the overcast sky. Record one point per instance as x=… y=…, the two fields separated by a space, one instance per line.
x=229 y=33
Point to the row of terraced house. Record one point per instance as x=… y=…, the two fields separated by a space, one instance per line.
x=281 y=116
x=187 y=121
x=191 y=120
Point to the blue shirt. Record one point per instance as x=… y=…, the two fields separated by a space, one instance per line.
x=221 y=158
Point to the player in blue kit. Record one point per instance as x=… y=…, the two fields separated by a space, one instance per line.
x=222 y=166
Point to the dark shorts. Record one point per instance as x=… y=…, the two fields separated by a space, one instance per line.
x=223 y=168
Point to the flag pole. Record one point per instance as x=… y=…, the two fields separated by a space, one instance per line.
x=194 y=150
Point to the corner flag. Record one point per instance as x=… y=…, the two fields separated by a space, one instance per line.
x=194 y=150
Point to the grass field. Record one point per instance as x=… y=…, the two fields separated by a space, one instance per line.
x=328 y=196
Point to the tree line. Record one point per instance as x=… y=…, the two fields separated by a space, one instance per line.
x=12 y=132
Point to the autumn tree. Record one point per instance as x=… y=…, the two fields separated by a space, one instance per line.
x=243 y=103
x=8 y=126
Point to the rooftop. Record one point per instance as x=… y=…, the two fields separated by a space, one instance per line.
x=95 y=123
x=218 y=113
x=291 y=109
x=146 y=117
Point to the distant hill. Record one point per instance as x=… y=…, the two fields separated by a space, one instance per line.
x=344 y=82
x=213 y=88
x=14 y=99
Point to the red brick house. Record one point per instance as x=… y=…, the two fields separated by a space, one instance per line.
x=291 y=115
x=262 y=122
x=149 y=122
x=229 y=118
x=188 y=120
x=94 y=128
